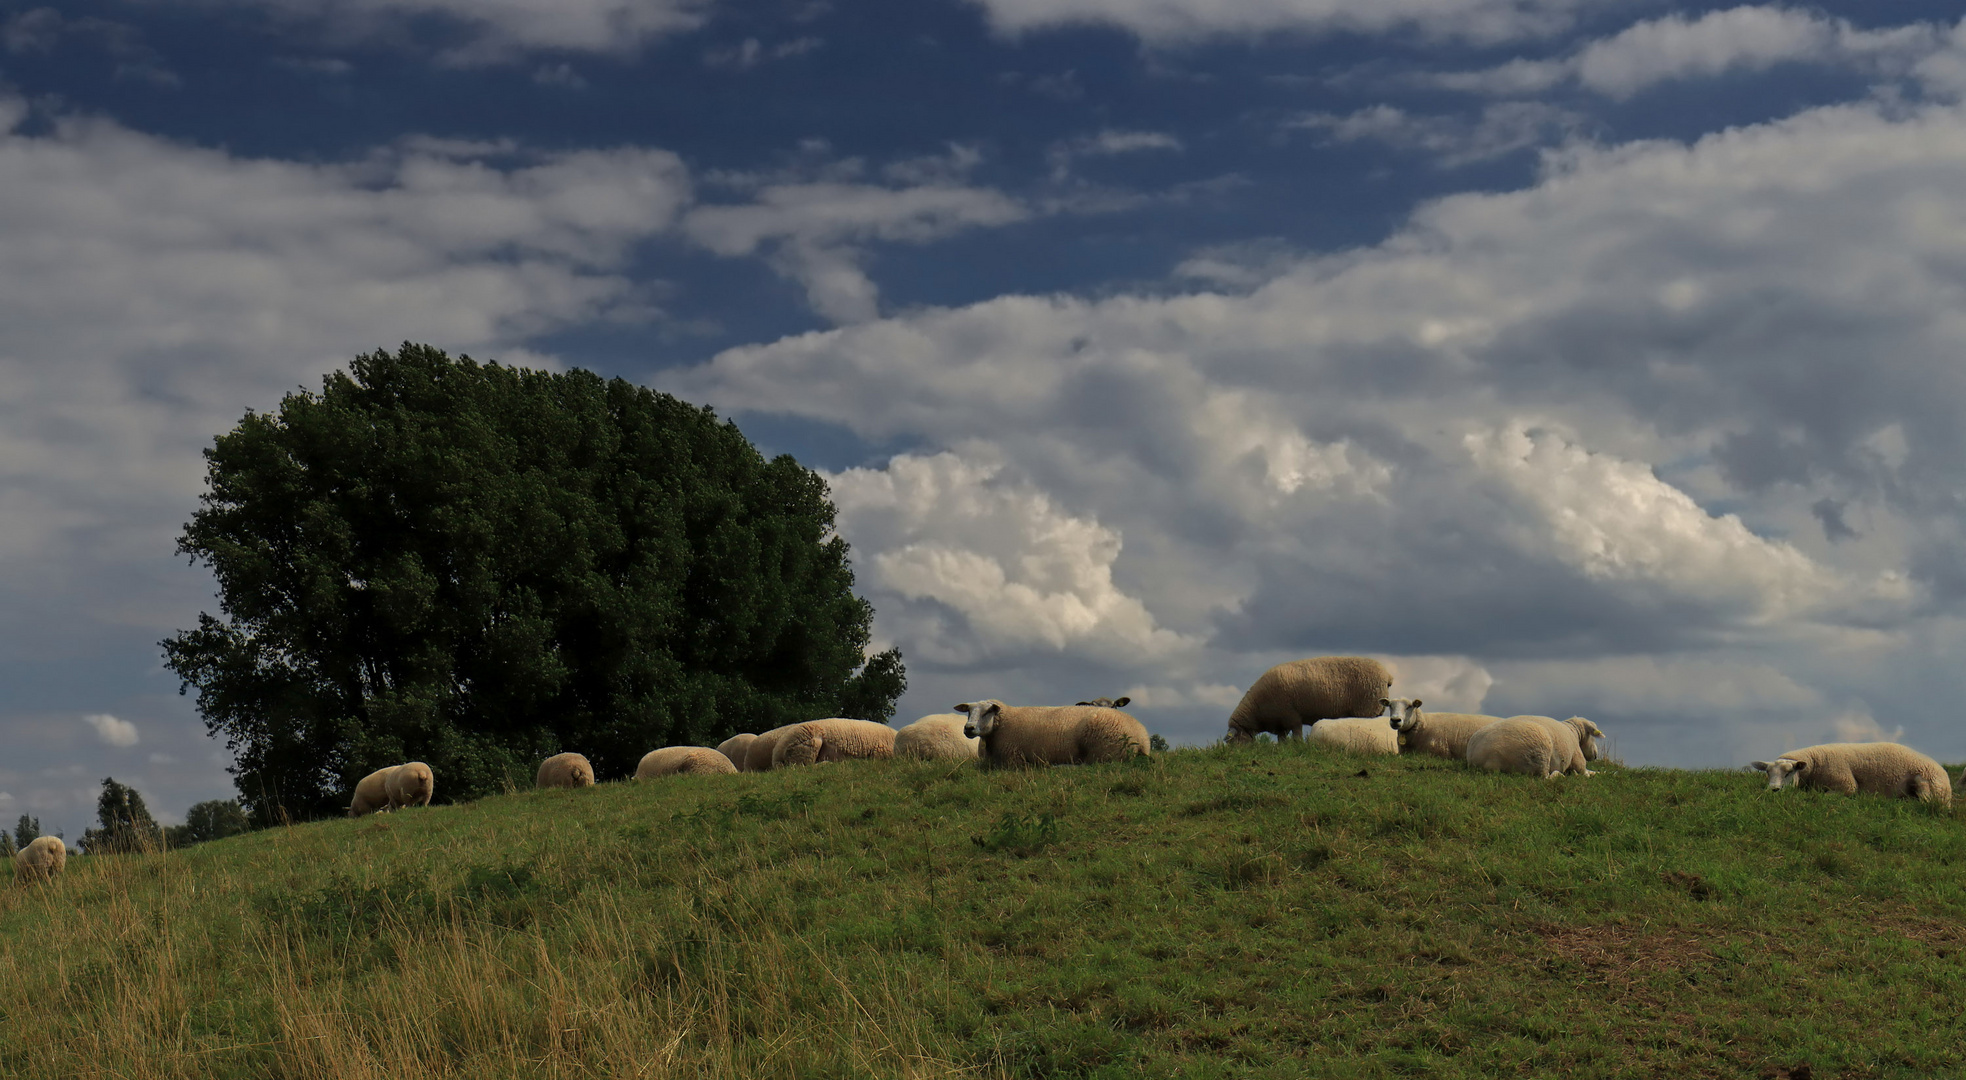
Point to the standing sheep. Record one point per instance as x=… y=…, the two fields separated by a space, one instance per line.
x=937 y=737
x=41 y=859
x=1356 y=734
x=833 y=739
x=565 y=770
x=1534 y=745
x=1052 y=735
x=736 y=747
x=371 y=793
x=1290 y=695
x=1440 y=734
x=757 y=756
x=1881 y=768
x=410 y=784
x=682 y=761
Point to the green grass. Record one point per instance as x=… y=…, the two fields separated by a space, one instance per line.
x=1267 y=911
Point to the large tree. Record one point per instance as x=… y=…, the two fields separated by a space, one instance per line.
x=477 y=566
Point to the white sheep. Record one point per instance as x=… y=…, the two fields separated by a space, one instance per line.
x=371 y=793
x=1440 y=734
x=410 y=784
x=937 y=737
x=1583 y=731
x=41 y=859
x=682 y=761
x=835 y=738
x=565 y=770
x=1879 y=767
x=1052 y=734
x=736 y=747
x=1290 y=695
x=1356 y=734
x=757 y=755
x=1535 y=745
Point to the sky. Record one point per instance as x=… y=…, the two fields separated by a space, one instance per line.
x=1594 y=357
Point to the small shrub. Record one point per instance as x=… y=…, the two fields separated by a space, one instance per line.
x=1020 y=834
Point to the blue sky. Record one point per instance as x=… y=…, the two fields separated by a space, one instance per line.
x=1576 y=356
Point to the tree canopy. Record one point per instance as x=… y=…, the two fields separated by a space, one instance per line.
x=478 y=566
x=126 y=823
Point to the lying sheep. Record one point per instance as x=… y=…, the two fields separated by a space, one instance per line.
x=1108 y=703
x=1879 y=767
x=410 y=784
x=1291 y=695
x=1052 y=734
x=41 y=859
x=757 y=755
x=937 y=737
x=1533 y=745
x=1579 y=729
x=565 y=770
x=682 y=761
x=1443 y=734
x=735 y=748
x=835 y=738
x=1356 y=734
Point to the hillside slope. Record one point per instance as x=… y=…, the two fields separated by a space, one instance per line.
x=1266 y=911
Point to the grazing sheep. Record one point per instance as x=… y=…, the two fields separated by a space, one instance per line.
x=835 y=738
x=735 y=748
x=41 y=859
x=1108 y=703
x=682 y=761
x=937 y=737
x=1356 y=734
x=410 y=784
x=371 y=793
x=565 y=770
x=1879 y=767
x=1290 y=695
x=757 y=755
x=1534 y=745
x=1052 y=734
x=1442 y=734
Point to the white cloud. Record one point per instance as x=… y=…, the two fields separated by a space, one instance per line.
x=504 y=29
x=1177 y=21
x=1442 y=683
x=111 y=731
x=1502 y=128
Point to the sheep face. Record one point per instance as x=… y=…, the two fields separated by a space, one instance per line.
x=1589 y=738
x=1780 y=769
x=1405 y=712
x=983 y=717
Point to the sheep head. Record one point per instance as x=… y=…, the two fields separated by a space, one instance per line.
x=983 y=717
x=1108 y=703
x=1780 y=769
x=1405 y=712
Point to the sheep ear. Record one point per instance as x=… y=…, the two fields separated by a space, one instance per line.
x=1415 y=703
x=1759 y=766
x=1797 y=765
x=1385 y=703
x=964 y=707
x=1120 y=703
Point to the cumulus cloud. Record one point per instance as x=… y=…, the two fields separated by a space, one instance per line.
x=111 y=731
x=499 y=32
x=1178 y=21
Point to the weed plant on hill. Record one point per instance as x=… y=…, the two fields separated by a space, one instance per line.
x=1265 y=911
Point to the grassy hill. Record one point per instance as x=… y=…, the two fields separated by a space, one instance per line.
x=1267 y=911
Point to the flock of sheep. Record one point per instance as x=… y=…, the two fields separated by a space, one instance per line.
x=1342 y=700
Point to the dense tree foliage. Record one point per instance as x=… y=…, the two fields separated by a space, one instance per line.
x=126 y=824
x=214 y=819
x=26 y=831
x=477 y=566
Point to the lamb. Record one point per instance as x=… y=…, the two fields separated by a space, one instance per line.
x=682 y=761
x=835 y=738
x=1108 y=703
x=1052 y=735
x=565 y=770
x=757 y=755
x=1356 y=734
x=410 y=784
x=735 y=747
x=937 y=737
x=1880 y=767
x=41 y=859
x=1444 y=734
x=1290 y=695
x=1535 y=745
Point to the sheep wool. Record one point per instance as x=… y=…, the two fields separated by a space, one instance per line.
x=1575 y=732
x=736 y=747
x=1523 y=744
x=835 y=738
x=41 y=859
x=1876 y=768
x=937 y=737
x=1013 y=735
x=1290 y=695
x=1356 y=734
x=410 y=784
x=682 y=761
x=565 y=770
x=757 y=756
x=1440 y=734
x=371 y=793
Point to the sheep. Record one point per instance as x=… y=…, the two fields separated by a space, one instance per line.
x=41 y=859
x=1536 y=745
x=371 y=793
x=1880 y=767
x=682 y=761
x=1052 y=735
x=1108 y=703
x=565 y=770
x=1356 y=734
x=1582 y=731
x=410 y=784
x=1442 y=734
x=735 y=747
x=1288 y=696
x=757 y=755
x=835 y=738
x=937 y=737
